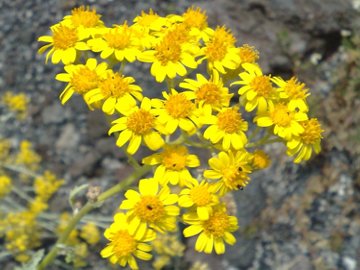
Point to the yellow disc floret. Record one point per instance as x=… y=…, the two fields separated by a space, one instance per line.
x=230 y=120
x=140 y=122
x=64 y=37
x=179 y=106
x=84 y=80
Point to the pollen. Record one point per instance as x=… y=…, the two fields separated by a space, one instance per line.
x=84 y=17
x=200 y=195
x=64 y=37
x=312 y=131
x=248 y=54
x=178 y=106
x=84 y=80
x=150 y=209
x=168 y=50
x=174 y=157
x=217 y=224
x=262 y=86
x=281 y=115
x=195 y=17
x=210 y=93
x=123 y=243
x=120 y=38
x=230 y=120
x=234 y=177
x=295 y=89
x=114 y=85
x=140 y=122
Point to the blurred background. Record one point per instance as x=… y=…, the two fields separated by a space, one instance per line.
x=294 y=217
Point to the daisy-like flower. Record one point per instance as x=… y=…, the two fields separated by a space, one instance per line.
x=177 y=110
x=136 y=125
x=210 y=91
x=201 y=196
x=86 y=20
x=220 y=51
x=284 y=118
x=260 y=160
x=119 y=42
x=228 y=127
x=293 y=92
x=308 y=141
x=81 y=78
x=65 y=42
x=248 y=54
x=125 y=244
x=213 y=232
x=151 y=21
x=151 y=207
x=116 y=90
x=170 y=56
x=231 y=169
x=196 y=19
x=257 y=90
x=173 y=161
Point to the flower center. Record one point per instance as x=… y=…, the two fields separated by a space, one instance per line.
x=200 y=195
x=312 y=131
x=149 y=209
x=230 y=120
x=234 y=177
x=248 y=54
x=215 y=51
x=123 y=243
x=210 y=93
x=262 y=86
x=114 y=85
x=281 y=115
x=64 y=37
x=120 y=38
x=174 y=157
x=84 y=80
x=168 y=50
x=85 y=17
x=217 y=224
x=195 y=18
x=295 y=89
x=178 y=106
x=140 y=122
x=146 y=19
x=261 y=159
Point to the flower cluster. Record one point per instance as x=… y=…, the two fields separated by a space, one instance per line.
x=195 y=110
x=16 y=103
x=21 y=227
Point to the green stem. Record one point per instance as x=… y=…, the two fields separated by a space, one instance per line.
x=87 y=208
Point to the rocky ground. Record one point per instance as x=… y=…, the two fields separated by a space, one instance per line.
x=294 y=217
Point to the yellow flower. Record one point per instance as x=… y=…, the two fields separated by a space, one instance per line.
x=65 y=42
x=248 y=54
x=220 y=51
x=196 y=19
x=125 y=245
x=37 y=206
x=231 y=169
x=138 y=124
x=257 y=90
x=81 y=78
x=170 y=56
x=260 y=160
x=151 y=207
x=210 y=91
x=228 y=127
x=176 y=111
x=116 y=90
x=308 y=141
x=17 y=103
x=64 y=220
x=214 y=232
x=5 y=146
x=284 y=118
x=200 y=196
x=293 y=91
x=5 y=185
x=90 y=233
x=173 y=161
x=86 y=20
x=46 y=185
x=27 y=156
x=150 y=21
x=118 y=42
